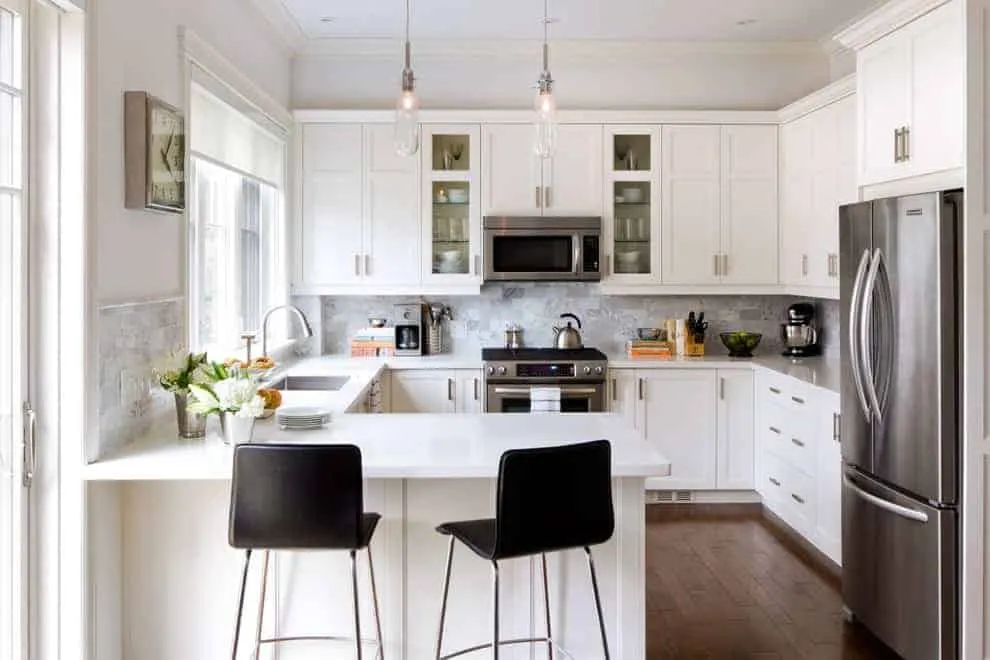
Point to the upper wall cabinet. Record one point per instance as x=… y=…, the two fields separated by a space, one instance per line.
x=632 y=204
x=911 y=97
x=516 y=182
x=720 y=203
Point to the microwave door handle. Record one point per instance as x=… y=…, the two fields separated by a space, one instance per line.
x=576 y=244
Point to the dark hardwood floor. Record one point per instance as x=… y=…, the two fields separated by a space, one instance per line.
x=722 y=586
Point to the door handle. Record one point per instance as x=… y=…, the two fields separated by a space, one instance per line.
x=880 y=503
x=450 y=389
x=804 y=265
x=773 y=481
x=775 y=390
x=897 y=145
x=29 y=458
x=721 y=389
x=642 y=388
x=538 y=198
x=477 y=264
x=615 y=390
x=854 y=348
x=797 y=498
x=357 y=265
x=865 y=335
x=906 y=139
x=715 y=265
x=725 y=265
x=797 y=399
x=367 y=264
x=475 y=389
x=576 y=264
x=524 y=391
x=546 y=197
x=774 y=429
x=837 y=427
x=797 y=442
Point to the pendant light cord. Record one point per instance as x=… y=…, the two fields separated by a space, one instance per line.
x=408 y=79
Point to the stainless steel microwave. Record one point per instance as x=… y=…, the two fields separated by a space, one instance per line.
x=530 y=249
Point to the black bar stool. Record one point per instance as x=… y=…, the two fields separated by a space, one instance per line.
x=535 y=516
x=301 y=497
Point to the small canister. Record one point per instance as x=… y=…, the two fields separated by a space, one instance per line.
x=513 y=336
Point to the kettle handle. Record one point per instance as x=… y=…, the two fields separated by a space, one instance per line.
x=572 y=316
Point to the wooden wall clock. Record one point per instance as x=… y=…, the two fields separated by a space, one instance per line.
x=154 y=154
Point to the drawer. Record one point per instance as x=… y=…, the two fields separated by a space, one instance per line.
x=771 y=481
x=799 y=493
x=800 y=448
x=787 y=392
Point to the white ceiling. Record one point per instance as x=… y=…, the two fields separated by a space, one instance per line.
x=631 y=20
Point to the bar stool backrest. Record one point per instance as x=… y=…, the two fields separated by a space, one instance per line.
x=554 y=498
x=293 y=496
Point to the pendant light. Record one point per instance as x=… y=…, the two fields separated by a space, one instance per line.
x=545 y=122
x=407 y=109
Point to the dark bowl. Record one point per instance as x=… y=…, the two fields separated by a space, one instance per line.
x=741 y=343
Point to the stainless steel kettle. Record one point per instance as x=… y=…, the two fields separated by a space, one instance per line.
x=567 y=337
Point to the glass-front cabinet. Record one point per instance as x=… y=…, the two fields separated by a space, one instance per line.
x=451 y=203
x=632 y=220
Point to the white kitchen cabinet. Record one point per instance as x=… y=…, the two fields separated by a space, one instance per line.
x=719 y=204
x=828 y=523
x=735 y=442
x=623 y=394
x=912 y=95
x=470 y=391
x=437 y=391
x=631 y=227
x=677 y=415
x=516 y=182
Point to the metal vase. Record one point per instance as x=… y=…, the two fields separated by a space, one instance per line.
x=191 y=425
x=236 y=430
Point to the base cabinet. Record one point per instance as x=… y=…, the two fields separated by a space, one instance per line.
x=436 y=391
x=735 y=445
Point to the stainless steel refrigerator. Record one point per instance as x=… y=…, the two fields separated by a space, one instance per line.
x=900 y=346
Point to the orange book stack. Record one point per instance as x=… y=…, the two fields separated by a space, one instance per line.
x=650 y=350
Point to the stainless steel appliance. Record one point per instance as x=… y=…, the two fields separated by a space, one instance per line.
x=410 y=329
x=509 y=375
x=542 y=249
x=799 y=334
x=900 y=283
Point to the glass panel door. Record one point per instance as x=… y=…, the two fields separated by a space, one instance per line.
x=632 y=231
x=632 y=222
x=451 y=227
x=13 y=350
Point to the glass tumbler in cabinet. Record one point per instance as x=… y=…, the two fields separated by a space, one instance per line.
x=631 y=222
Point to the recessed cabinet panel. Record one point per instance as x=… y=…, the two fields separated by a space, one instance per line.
x=331 y=233
x=572 y=178
x=513 y=174
x=883 y=97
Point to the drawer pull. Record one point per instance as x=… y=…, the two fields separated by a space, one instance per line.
x=797 y=442
x=797 y=399
x=774 y=429
x=797 y=498
x=774 y=482
x=775 y=390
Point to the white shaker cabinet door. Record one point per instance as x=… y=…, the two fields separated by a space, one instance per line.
x=828 y=480
x=736 y=445
x=883 y=77
x=512 y=174
x=623 y=395
x=795 y=193
x=330 y=235
x=572 y=178
x=691 y=204
x=470 y=391
x=426 y=391
x=749 y=205
x=679 y=410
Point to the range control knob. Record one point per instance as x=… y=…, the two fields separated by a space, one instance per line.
x=491 y=371
x=587 y=371
x=599 y=371
x=501 y=371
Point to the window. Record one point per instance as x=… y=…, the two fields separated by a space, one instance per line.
x=237 y=264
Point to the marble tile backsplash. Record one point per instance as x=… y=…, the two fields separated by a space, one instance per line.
x=609 y=321
x=132 y=337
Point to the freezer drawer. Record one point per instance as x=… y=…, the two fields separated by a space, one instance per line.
x=899 y=568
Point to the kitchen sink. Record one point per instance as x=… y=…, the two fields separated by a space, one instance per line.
x=311 y=383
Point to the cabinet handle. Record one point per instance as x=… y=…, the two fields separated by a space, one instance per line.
x=611 y=265
x=797 y=498
x=797 y=442
x=721 y=389
x=475 y=389
x=774 y=481
x=546 y=197
x=897 y=145
x=357 y=265
x=829 y=266
x=715 y=265
x=774 y=429
x=538 y=198
x=641 y=389
x=906 y=139
x=450 y=389
x=775 y=390
x=804 y=265
x=725 y=265
x=797 y=399
x=615 y=390
x=837 y=427
x=477 y=264
x=367 y=264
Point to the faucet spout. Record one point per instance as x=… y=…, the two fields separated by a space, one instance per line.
x=298 y=313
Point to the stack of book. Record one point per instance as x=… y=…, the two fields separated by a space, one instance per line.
x=638 y=348
x=373 y=342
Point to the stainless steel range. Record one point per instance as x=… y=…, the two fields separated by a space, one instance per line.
x=579 y=373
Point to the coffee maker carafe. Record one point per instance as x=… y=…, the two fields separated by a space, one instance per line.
x=409 y=329
x=799 y=335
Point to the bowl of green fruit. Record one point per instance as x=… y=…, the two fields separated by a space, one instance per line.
x=740 y=343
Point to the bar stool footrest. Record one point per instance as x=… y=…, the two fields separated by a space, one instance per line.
x=509 y=642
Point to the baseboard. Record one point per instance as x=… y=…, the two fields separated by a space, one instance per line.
x=668 y=497
x=815 y=558
x=669 y=512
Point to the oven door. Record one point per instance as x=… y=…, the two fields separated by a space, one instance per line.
x=541 y=254
x=574 y=397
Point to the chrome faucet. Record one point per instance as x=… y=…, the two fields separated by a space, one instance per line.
x=307 y=328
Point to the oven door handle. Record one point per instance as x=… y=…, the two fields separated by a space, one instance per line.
x=525 y=391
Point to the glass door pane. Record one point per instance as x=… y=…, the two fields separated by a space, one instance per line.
x=631 y=153
x=631 y=227
x=451 y=227
x=451 y=153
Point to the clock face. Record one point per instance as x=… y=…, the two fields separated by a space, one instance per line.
x=166 y=155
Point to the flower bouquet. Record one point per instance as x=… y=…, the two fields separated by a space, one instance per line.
x=176 y=374
x=232 y=394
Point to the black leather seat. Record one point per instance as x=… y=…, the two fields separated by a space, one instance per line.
x=300 y=497
x=535 y=514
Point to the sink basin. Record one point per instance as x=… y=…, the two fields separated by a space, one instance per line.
x=311 y=383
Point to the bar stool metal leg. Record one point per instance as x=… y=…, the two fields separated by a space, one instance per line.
x=357 y=605
x=546 y=605
x=494 y=610
x=598 y=601
x=443 y=598
x=240 y=603
x=261 y=604
x=380 y=655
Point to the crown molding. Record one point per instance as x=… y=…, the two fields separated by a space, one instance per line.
x=511 y=116
x=837 y=91
x=286 y=27
x=891 y=16
x=561 y=50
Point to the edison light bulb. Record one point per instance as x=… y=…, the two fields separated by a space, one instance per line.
x=407 y=124
x=545 y=124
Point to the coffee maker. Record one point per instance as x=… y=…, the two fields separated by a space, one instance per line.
x=410 y=331
x=799 y=335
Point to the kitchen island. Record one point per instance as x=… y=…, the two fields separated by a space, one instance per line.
x=164 y=581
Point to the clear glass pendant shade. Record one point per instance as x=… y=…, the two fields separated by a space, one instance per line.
x=545 y=124
x=407 y=124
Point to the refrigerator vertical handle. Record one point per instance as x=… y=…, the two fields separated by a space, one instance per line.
x=866 y=336
x=854 y=348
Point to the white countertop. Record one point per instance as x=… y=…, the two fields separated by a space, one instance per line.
x=409 y=446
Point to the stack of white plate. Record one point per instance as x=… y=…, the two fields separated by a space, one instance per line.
x=302 y=418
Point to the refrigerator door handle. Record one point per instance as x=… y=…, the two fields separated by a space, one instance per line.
x=866 y=337
x=854 y=358
x=880 y=503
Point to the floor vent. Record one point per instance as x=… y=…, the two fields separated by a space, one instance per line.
x=669 y=496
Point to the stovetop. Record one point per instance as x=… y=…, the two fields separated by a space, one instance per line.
x=539 y=354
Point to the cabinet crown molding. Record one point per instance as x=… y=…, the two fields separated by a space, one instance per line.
x=888 y=18
x=837 y=91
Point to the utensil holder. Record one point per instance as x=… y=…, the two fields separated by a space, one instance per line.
x=434 y=339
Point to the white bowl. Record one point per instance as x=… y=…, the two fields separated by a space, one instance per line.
x=450 y=256
x=457 y=195
x=632 y=195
